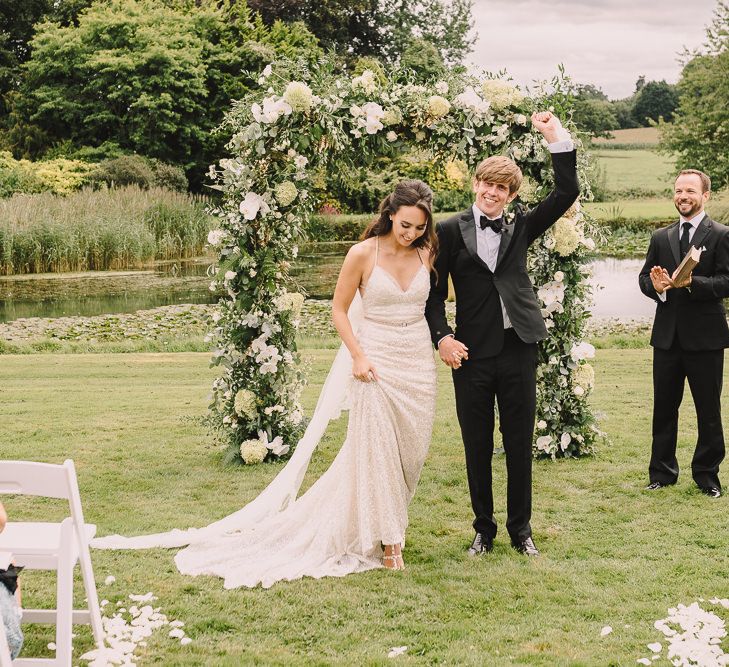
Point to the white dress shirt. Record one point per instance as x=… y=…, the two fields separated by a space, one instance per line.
x=694 y=222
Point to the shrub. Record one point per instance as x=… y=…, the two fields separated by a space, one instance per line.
x=99 y=229
x=138 y=170
x=59 y=176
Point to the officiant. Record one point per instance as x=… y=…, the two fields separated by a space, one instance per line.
x=689 y=334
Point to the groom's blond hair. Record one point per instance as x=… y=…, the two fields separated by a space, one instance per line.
x=499 y=169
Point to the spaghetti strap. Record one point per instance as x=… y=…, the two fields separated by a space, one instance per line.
x=377 y=248
x=419 y=257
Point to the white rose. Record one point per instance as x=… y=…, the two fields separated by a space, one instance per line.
x=230 y=275
x=543 y=442
x=391 y=136
x=541 y=424
x=559 y=276
x=565 y=440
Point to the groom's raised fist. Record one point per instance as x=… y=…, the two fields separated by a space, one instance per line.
x=548 y=124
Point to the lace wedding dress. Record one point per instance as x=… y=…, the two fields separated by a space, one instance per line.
x=338 y=526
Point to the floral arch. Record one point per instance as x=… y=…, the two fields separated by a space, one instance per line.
x=301 y=118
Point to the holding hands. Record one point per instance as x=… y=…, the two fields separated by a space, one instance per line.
x=452 y=352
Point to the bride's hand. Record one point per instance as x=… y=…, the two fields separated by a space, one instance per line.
x=363 y=370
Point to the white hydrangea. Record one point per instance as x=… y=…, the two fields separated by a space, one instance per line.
x=392 y=116
x=583 y=377
x=245 y=403
x=253 y=451
x=292 y=301
x=285 y=193
x=501 y=94
x=299 y=96
x=438 y=106
x=567 y=237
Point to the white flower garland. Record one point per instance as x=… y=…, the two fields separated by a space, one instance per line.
x=309 y=117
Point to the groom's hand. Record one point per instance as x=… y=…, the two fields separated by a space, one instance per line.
x=548 y=124
x=452 y=352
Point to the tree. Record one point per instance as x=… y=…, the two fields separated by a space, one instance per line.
x=699 y=133
x=593 y=111
x=595 y=116
x=423 y=59
x=656 y=99
x=152 y=78
x=382 y=28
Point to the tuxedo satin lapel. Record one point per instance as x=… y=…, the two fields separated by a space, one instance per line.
x=673 y=242
x=468 y=232
x=507 y=233
x=701 y=232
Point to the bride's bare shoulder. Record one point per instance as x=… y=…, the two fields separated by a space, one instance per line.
x=362 y=251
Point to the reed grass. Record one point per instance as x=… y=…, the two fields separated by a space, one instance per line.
x=99 y=229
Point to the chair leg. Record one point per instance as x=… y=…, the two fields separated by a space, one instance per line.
x=4 y=648
x=64 y=595
x=87 y=573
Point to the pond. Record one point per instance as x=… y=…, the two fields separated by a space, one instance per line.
x=99 y=292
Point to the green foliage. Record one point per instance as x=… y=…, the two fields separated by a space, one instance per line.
x=656 y=99
x=423 y=59
x=595 y=117
x=89 y=230
x=58 y=175
x=699 y=134
x=152 y=78
x=140 y=171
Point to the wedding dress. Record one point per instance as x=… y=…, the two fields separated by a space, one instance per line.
x=338 y=526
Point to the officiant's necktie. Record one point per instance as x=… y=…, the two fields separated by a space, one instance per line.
x=684 y=240
x=494 y=224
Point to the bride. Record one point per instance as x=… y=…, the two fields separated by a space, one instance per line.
x=354 y=516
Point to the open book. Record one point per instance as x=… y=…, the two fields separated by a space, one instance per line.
x=687 y=265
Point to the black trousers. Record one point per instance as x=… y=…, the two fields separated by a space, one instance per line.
x=704 y=371
x=510 y=379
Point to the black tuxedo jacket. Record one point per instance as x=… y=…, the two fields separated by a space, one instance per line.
x=696 y=314
x=479 y=321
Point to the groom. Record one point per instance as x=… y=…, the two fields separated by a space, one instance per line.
x=493 y=351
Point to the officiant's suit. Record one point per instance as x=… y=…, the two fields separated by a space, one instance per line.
x=689 y=336
x=502 y=362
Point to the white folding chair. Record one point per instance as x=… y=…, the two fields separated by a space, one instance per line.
x=53 y=546
x=4 y=648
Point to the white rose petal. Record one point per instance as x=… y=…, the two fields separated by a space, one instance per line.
x=110 y=580
x=655 y=647
x=185 y=641
x=605 y=631
x=396 y=651
x=176 y=633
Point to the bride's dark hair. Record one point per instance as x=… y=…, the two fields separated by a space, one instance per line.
x=410 y=192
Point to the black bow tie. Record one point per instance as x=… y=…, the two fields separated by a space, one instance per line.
x=494 y=224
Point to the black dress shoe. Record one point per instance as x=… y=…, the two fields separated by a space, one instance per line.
x=656 y=485
x=481 y=544
x=711 y=491
x=526 y=547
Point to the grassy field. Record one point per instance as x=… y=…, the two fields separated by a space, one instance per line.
x=613 y=554
x=636 y=169
x=653 y=208
x=635 y=136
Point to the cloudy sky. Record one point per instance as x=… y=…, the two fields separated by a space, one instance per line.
x=609 y=43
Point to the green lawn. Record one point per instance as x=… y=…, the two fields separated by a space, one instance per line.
x=613 y=554
x=646 y=209
x=634 y=135
x=637 y=169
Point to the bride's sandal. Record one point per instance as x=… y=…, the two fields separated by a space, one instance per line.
x=393 y=561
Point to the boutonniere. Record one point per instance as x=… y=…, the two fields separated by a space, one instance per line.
x=509 y=216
